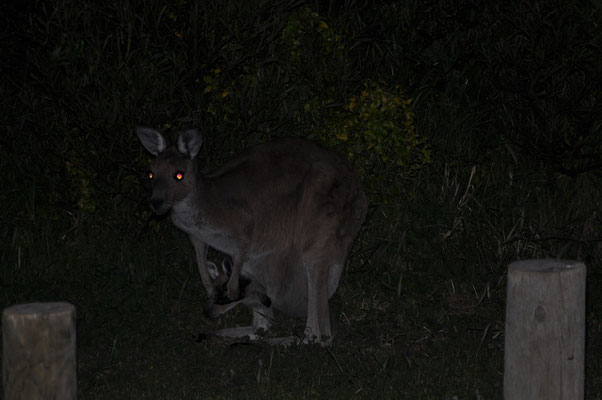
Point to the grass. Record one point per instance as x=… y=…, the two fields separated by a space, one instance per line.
x=505 y=95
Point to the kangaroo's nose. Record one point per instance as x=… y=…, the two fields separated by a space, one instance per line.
x=158 y=206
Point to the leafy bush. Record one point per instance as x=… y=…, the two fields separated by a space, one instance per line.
x=374 y=127
x=377 y=131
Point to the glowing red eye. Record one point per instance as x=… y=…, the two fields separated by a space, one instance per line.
x=179 y=176
x=150 y=175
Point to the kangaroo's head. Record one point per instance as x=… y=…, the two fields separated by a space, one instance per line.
x=173 y=173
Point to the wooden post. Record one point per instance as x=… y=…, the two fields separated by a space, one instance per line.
x=545 y=330
x=38 y=352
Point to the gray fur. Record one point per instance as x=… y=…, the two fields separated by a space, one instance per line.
x=286 y=212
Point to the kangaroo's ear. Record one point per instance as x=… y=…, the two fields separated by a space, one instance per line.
x=189 y=142
x=151 y=139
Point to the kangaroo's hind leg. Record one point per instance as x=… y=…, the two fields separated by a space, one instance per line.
x=322 y=267
x=337 y=206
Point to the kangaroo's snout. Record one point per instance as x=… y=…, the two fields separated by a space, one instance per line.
x=158 y=206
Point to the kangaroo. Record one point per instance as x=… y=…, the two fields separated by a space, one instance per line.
x=286 y=212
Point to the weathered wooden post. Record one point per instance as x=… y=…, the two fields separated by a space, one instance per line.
x=38 y=352
x=545 y=330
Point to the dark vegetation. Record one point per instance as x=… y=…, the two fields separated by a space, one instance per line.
x=476 y=128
